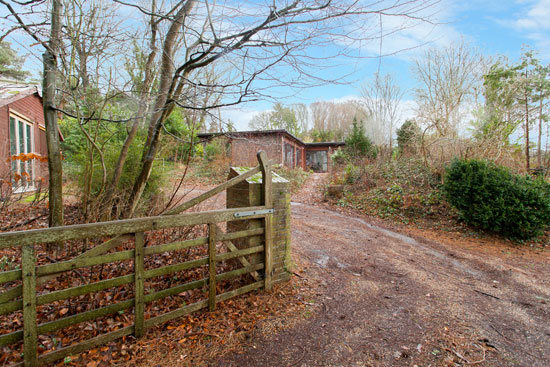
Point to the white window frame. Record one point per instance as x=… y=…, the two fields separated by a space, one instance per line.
x=29 y=186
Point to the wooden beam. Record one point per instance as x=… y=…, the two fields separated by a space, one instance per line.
x=231 y=247
x=79 y=231
x=268 y=252
x=139 y=289
x=239 y=253
x=268 y=203
x=212 y=234
x=17 y=291
x=232 y=182
x=49 y=358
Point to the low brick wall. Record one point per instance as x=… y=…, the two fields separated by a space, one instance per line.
x=250 y=193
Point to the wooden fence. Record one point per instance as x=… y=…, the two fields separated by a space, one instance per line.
x=24 y=296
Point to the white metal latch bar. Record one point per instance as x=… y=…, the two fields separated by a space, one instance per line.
x=253 y=212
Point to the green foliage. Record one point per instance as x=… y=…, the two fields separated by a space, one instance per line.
x=395 y=196
x=132 y=169
x=404 y=190
x=213 y=166
x=514 y=94
x=407 y=136
x=326 y=135
x=78 y=167
x=401 y=189
x=180 y=135
x=74 y=142
x=10 y=63
x=352 y=173
x=216 y=148
x=358 y=145
x=339 y=157
x=297 y=177
x=491 y=197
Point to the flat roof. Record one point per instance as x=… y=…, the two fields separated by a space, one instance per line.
x=326 y=143
x=267 y=132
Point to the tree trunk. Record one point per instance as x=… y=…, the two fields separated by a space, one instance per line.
x=539 y=153
x=162 y=107
x=50 y=116
x=527 y=165
x=143 y=110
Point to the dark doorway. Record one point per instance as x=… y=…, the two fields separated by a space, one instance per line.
x=317 y=160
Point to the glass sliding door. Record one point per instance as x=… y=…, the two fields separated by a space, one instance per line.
x=317 y=160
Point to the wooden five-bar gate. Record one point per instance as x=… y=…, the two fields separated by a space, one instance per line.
x=23 y=295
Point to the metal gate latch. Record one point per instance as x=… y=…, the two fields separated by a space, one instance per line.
x=253 y=212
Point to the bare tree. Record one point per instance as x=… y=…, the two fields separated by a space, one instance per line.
x=293 y=118
x=258 y=37
x=382 y=99
x=260 y=44
x=448 y=80
x=336 y=117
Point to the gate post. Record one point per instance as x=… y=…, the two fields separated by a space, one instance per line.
x=251 y=193
x=268 y=202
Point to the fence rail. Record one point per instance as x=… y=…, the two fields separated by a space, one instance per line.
x=24 y=297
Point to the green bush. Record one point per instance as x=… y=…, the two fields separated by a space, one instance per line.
x=358 y=145
x=352 y=173
x=339 y=157
x=492 y=198
x=79 y=170
x=407 y=136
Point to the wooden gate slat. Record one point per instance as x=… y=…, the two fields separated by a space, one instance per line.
x=212 y=233
x=28 y=266
x=33 y=276
x=139 y=309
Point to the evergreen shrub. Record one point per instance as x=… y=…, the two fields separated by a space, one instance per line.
x=493 y=198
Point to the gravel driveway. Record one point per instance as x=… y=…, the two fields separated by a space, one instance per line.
x=382 y=298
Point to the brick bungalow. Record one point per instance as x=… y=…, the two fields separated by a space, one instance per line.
x=22 y=130
x=280 y=146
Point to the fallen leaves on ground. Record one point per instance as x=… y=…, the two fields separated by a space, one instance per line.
x=197 y=335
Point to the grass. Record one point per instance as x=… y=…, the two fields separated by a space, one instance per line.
x=33 y=197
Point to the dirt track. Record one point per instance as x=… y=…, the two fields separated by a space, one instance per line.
x=386 y=299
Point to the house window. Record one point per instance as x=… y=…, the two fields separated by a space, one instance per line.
x=289 y=155
x=21 y=142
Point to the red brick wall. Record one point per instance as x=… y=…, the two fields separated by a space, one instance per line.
x=244 y=149
x=4 y=141
x=29 y=107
